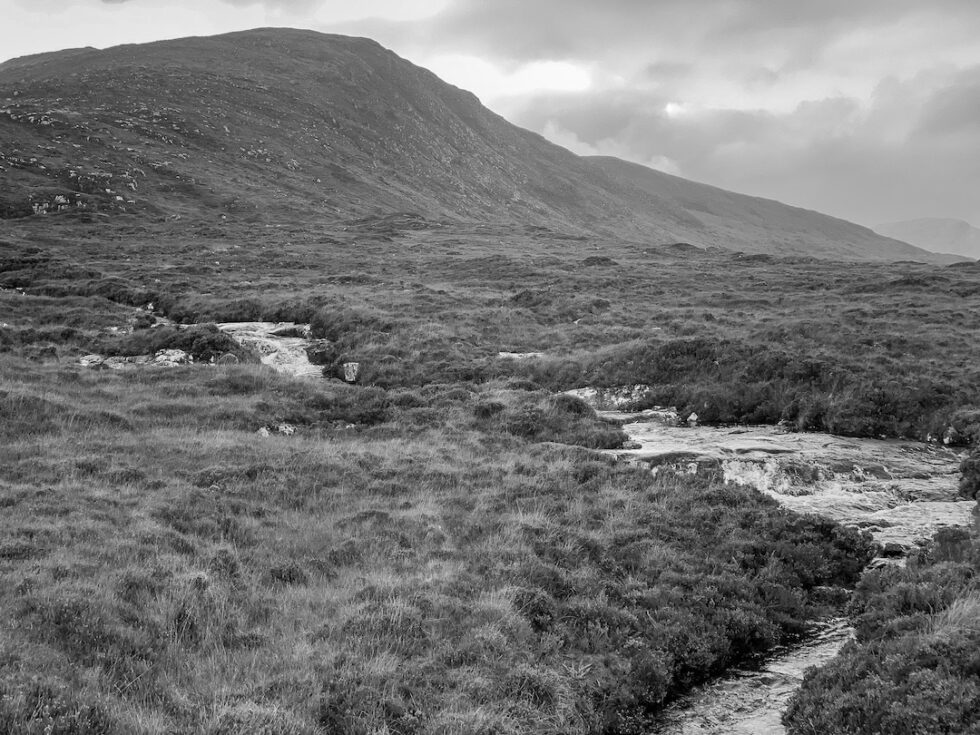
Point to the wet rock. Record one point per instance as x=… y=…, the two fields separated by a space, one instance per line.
x=320 y=352
x=893 y=550
x=298 y=331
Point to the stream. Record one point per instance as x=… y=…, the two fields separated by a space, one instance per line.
x=900 y=491
x=281 y=346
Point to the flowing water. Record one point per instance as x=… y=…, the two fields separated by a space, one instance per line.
x=281 y=345
x=752 y=702
x=900 y=491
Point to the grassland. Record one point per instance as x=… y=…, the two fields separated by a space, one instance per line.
x=437 y=549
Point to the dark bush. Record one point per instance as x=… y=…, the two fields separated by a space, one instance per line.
x=970 y=475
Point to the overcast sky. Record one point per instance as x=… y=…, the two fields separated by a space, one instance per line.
x=865 y=109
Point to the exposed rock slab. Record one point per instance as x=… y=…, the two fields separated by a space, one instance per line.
x=285 y=354
x=901 y=491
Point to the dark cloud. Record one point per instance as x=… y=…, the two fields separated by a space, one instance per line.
x=954 y=110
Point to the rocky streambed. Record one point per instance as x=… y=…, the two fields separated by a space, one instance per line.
x=281 y=345
x=900 y=491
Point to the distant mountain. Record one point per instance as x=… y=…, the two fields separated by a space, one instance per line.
x=276 y=122
x=936 y=234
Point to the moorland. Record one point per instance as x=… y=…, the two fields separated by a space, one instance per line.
x=437 y=547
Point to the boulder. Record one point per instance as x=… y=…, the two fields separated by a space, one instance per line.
x=228 y=359
x=171 y=358
x=351 y=371
x=320 y=352
x=300 y=331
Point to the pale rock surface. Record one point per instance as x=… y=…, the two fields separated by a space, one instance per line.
x=285 y=354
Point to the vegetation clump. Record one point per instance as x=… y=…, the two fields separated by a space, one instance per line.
x=913 y=667
x=203 y=342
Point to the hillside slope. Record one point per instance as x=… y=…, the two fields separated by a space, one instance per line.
x=937 y=234
x=713 y=216
x=276 y=122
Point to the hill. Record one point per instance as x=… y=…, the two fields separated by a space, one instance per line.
x=937 y=234
x=295 y=124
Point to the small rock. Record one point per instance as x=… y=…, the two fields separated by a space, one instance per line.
x=320 y=352
x=351 y=371
x=263 y=431
x=692 y=420
x=228 y=359
x=171 y=358
x=632 y=445
x=286 y=429
x=91 y=360
x=892 y=550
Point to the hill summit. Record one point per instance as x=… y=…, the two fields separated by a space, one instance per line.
x=295 y=123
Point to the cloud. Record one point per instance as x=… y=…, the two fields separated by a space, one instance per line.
x=861 y=109
x=903 y=151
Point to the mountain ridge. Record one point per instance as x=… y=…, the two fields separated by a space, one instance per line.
x=283 y=122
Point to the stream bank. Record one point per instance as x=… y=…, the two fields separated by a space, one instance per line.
x=900 y=491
